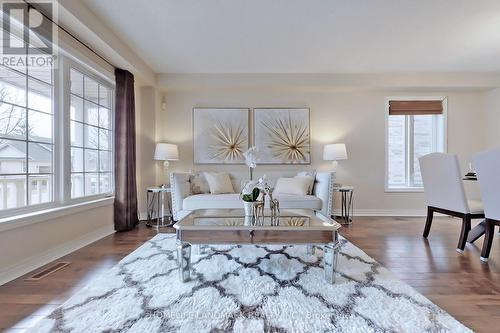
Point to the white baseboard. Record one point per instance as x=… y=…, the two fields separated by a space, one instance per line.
x=36 y=261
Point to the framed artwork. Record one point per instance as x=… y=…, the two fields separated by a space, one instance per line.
x=282 y=135
x=220 y=135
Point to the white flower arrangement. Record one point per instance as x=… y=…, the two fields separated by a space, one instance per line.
x=251 y=157
x=252 y=189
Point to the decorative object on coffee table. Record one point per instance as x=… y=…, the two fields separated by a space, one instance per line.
x=274 y=204
x=250 y=193
x=282 y=135
x=220 y=135
x=251 y=159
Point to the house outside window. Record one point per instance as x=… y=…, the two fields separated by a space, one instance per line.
x=414 y=127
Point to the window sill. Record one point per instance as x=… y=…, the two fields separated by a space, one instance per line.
x=405 y=190
x=22 y=220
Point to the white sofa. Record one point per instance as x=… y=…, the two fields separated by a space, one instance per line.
x=183 y=201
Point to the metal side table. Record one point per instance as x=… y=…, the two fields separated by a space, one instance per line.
x=347 y=204
x=158 y=204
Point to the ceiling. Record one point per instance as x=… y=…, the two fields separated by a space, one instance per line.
x=308 y=36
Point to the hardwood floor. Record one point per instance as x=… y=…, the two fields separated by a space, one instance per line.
x=463 y=286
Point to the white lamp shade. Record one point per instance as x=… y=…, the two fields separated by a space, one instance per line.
x=166 y=152
x=335 y=152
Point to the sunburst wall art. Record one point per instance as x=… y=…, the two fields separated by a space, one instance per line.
x=282 y=136
x=220 y=135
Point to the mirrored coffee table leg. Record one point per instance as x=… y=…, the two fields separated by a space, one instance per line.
x=311 y=249
x=184 y=260
x=331 y=254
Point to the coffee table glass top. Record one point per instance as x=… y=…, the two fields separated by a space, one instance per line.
x=235 y=219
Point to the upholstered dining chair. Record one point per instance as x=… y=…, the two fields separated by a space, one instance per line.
x=445 y=193
x=487 y=166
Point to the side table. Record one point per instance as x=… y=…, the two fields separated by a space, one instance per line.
x=347 y=203
x=156 y=199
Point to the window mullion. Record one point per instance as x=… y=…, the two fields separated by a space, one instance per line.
x=64 y=135
x=407 y=151
x=435 y=139
x=411 y=152
x=84 y=117
x=27 y=126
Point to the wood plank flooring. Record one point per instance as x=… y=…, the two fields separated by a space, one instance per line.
x=463 y=286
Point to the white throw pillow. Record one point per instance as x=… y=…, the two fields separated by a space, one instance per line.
x=296 y=186
x=312 y=177
x=198 y=183
x=219 y=183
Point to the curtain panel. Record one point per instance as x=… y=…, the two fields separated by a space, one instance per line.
x=125 y=206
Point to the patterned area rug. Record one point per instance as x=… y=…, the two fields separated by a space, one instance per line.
x=247 y=289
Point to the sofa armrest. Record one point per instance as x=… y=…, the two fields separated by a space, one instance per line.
x=323 y=189
x=181 y=189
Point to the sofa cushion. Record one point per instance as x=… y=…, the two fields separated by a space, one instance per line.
x=295 y=186
x=207 y=201
x=231 y=201
x=312 y=175
x=289 y=201
x=219 y=182
x=198 y=183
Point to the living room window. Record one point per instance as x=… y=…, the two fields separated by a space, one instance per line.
x=54 y=151
x=415 y=127
x=26 y=134
x=91 y=135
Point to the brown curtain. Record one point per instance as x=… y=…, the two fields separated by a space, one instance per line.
x=125 y=207
x=404 y=108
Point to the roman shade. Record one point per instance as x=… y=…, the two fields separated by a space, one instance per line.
x=412 y=108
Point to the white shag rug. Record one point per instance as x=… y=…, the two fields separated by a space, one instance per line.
x=247 y=289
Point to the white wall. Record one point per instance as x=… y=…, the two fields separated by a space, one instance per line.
x=338 y=114
x=492 y=118
x=145 y=143
x=28 y=247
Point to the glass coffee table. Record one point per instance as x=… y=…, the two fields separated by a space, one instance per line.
x=230 y=226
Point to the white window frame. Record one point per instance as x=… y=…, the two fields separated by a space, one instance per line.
x=55 y=158
x=68 y=64
x=409 y=148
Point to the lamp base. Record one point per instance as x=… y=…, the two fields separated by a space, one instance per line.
x=166 y=175
x=334 y=165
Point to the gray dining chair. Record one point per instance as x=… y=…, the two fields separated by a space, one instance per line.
x=445 y=193
x=487 y=165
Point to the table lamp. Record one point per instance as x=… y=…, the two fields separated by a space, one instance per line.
x=335 y=152
x=166 y=152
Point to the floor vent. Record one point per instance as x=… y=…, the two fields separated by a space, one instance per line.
x=49 y=270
